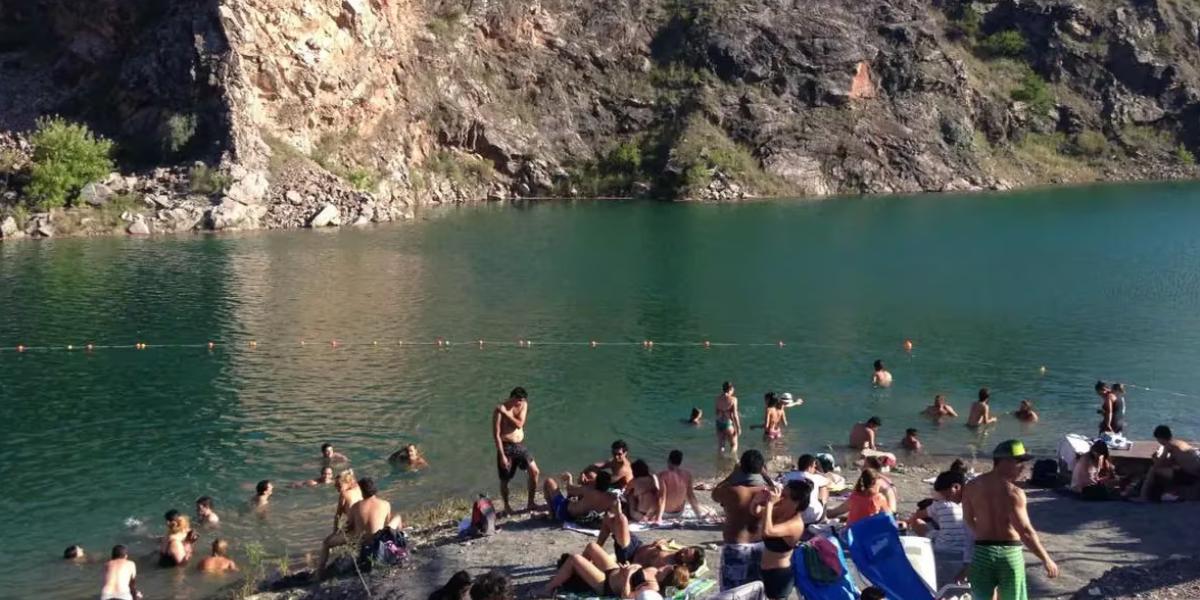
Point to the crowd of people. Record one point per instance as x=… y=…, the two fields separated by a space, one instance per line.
x=977 y=525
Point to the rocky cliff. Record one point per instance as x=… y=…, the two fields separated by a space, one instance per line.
x=326 y=112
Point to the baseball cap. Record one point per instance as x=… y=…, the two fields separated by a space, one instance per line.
x=1014 y=449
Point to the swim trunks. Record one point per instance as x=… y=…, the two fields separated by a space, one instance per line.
x=624 y=554
x=518 y=458
x=740 y=564
x=998 y=565
x=558 y=507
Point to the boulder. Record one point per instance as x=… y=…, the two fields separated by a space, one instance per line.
x=8 y=227
x=328 y=216
x=95 y=194
x=138 y=227
x=227 y=215
x=293 y=197
x=251 y=189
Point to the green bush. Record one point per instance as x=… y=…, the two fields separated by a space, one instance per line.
x=66 y=157
x=1184 y=155
x=1009 y=43
x=177 y=132
x=964 y=25
x=1034 y=92
x=626 y=157
x=208 y=181
x=1090 y=143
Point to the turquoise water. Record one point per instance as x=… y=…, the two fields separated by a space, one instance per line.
x=1091 y=283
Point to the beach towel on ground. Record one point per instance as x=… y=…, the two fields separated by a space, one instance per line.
x=842 y=588
x=874 y=544
x=694 y=589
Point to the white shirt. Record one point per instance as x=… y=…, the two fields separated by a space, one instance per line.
x=951 y=537
x=815 y=512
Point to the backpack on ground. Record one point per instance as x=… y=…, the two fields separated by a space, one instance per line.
x=1045 y=474
x=483 y=518
x=389 y=547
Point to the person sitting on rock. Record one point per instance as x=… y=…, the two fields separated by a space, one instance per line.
x=572 y=503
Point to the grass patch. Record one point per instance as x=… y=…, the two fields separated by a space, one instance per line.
x=1143 y=137
x=1034 y=92
x=1045 y=154
x=703 y=149
x=1091 y=144
x=461 y=170
x=1003 y=44
x=282 y=153
x=1185 y=156
x=329 y=153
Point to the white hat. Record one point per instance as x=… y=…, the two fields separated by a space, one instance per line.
x=648 y=595
x=786 y=396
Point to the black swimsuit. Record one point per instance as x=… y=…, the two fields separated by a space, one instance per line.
x=778 y=583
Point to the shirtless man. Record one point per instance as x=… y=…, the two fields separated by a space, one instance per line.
x=205 y=515
x=862 y=435
x=1025 y=413
x=329 y=457
x=120 y=577
x=741 y=532
x=645 y=494
x=408 y=457
x=219 y=561
x=677 y=488
x=911 y=442
x=994 y=511
x=366 y=518
x=939 y=409
x=508 y=432
x=1178 y=464
x=622 y=469
x=981 y=413
x=569 y=502
x=882 y=377
x=728 y=421
x=325 y=478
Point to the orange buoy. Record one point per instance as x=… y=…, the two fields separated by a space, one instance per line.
x=253 y=344
x=908 y=345
x=20 y=348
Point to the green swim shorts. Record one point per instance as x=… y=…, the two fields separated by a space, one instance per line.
x=998 y=565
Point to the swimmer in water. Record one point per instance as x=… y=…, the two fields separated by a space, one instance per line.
x=205 y=515
x=262 y=494
x=882 y=377
x=774 y=417
x=325 y=478
x=329 y=456
x=1025 y=413
x=729 y=422
x=862 y=435
x=219 y=561
x=176 y=547
x=910 y=441
x=120 y=577
x=75 y=554
x=409 y=457
x=981 y=413
x=939 y=409
x=697 y=414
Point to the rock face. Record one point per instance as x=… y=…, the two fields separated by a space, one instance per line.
x=378 y=107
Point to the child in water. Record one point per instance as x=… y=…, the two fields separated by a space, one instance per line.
x=697 y=414
x=910 y=441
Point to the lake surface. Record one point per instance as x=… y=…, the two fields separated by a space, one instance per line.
x=1092 y=283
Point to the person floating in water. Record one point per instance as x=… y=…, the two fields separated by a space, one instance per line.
x=508 y=432
x=219 y=561
x=862 y=435
x=262 y=495
x=882 y=378
x=910 y=441
x=774 y=417
x=939 y=409
x=75 y=553
x=697 y=415
x=325 y=478
x=329 y=457
x=120 y=577
x=1025 y=413
x=729 y=422
x=205 y=515
x=981 y=413
x=409 y=457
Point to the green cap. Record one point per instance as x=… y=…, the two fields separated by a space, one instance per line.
x=1014 y=449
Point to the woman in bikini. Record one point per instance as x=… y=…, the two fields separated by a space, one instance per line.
x=728 y=423
x=601 y=575
x=782 y=512
x=774 y=418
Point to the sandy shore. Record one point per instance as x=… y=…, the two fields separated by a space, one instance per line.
x=1086 y=539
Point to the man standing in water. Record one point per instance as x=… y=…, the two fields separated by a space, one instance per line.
x=508 y=429
x=120 y=577
x=741 y=532
x=882 y=377
x=728 y=422
x=981 y=413
x=329 y=456
x=994 y=511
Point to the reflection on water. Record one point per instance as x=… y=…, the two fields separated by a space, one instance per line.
x=990 y=288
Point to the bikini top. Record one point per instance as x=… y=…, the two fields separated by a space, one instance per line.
x=778 y=544
x=637 y=580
